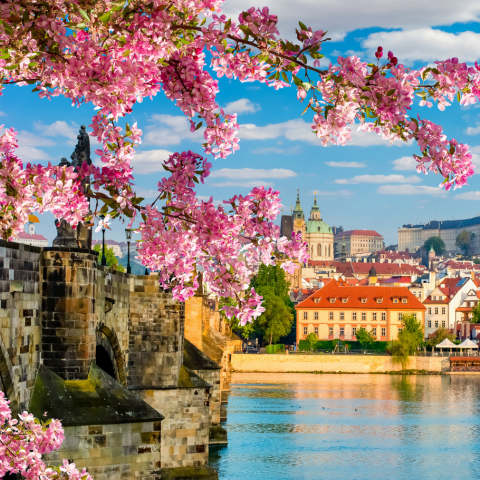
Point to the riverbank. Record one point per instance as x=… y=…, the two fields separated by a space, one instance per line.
x=250 y=363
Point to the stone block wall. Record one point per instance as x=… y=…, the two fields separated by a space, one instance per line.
x=128 y=451
x=69 y=290
x=19 y=320
x=213 y=378
x=156 y=336
x=194 y=325
x=185 y=429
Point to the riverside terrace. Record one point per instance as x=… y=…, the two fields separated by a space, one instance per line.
x=105 y=352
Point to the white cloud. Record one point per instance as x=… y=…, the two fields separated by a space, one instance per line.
x=300 y=130
x=3 y=114
x=252 y=173
x=243 y=183
x=170 y=130
x=338 y=193
x=410 y=190
x=58 y=129
x=346 y=164
x=473 y=130
x=377 y=179
x=150 y=161
x=31 y=154
x=405 y=163
x=28 y=139
x=426 y=44
x=295 y=150
x=243 y=105
x=468 y=196
x=343 y=16
x=146 y=192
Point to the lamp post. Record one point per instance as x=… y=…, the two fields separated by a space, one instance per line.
x=128 y=234
x=104 y=258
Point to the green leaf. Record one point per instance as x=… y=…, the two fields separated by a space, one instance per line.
x=198 y=126
x=11 y=67
x=118 y=5
x=7 y=27
x=307 y=86
x=459 y=96
x=106 y=17
x=228 y=25
x=302 y=26
x=425 y=73
x=284 y=76
x=84 y=14
x=296 y=80
x=391 y=92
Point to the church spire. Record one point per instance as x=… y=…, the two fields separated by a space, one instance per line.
x=298 y=211
x=315 y=211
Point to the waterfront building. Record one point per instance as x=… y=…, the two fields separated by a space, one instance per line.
x=463 y=313
x=338 y=310
x=358 y=241
x=316 y=232
x=30 y=238
x=414 y=236
x=117 y=247
x=443 y=302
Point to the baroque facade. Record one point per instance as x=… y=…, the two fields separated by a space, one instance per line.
x=317 y=233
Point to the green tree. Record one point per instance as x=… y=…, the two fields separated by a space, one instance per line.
x=464 y=241
x=365 y=337
x=112 y=260
x=243 y=331
x=312 y=339
x=409 y=339
x=476 y=261
x=437 y=243
x=475 y=314
x=439 y=336
x=276 y=321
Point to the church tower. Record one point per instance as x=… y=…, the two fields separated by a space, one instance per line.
x=315 y=211
x=298 y=216
x=319 y=236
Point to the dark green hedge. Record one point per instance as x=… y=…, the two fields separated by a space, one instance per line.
x=303 y=345
x=279 y=347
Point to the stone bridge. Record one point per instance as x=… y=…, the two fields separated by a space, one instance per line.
x=105 y=352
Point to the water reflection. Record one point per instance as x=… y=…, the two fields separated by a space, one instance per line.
x=302 y=426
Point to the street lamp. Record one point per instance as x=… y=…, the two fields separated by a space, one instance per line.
x=128 y=234
x=104 y=258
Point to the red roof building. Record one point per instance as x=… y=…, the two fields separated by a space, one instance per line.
x=337 y=310
x=31 y=239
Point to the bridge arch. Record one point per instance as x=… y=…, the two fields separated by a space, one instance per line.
x=109 y=354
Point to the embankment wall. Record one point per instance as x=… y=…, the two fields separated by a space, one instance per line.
x=332 y=363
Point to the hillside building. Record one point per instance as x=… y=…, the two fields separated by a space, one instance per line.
x=30 y=238
x=338 y=310
x=358 y=242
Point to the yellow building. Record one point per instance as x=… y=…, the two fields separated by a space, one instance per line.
x=338 y=310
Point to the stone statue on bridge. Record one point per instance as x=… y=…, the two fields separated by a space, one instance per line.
x=67 y=236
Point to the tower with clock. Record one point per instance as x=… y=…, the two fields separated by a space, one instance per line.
x=298 y=217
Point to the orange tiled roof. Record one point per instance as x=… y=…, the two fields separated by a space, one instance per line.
x=354 y=294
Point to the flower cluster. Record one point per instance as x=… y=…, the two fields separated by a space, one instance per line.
x=22 y=443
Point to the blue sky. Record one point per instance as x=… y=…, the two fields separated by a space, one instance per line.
x=368 y=184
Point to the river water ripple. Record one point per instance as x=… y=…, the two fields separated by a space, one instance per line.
x=355 y=427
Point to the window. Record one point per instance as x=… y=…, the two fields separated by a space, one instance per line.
x=414 y=315
x=305 y=330
x=364 y=300
x=384 y=331
x=374 y=316
x=395 y=300
x=305 y=315
x=342 y=315
x=436 y=310
x=354 y=315
x=315 y=315
x=430 y=311
x=404 y=300
x=330 y=315
x=443 y=310
x=443 y=323
x=364 y=316
x=400 y=330
x=379 y=300
x=315 y=330
x=429 y=324
x=374 y=331
x=384 y=316
x=354 y=330
x=332 y=300
x=330 y=331
x=436 y=323
x=400 y=316
x=316 y=300
x=344 y=300
x=342 y=331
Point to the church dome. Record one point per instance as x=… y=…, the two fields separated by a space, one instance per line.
x=372 y=272
x=318 y=226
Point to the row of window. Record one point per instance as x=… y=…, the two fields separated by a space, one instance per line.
x=354 y=331
x=429 y=323
x=444 y=310
x=331 y=315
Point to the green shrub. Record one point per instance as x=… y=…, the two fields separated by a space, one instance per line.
x=279 y=347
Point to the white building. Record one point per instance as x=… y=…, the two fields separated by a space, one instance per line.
x=443 y=302
x=31 y=238
x=116 y=246
x=410 y=237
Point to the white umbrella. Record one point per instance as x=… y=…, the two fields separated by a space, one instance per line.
x=446 y=344
x=467 y=343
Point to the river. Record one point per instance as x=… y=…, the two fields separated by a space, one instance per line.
x=351 y=427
